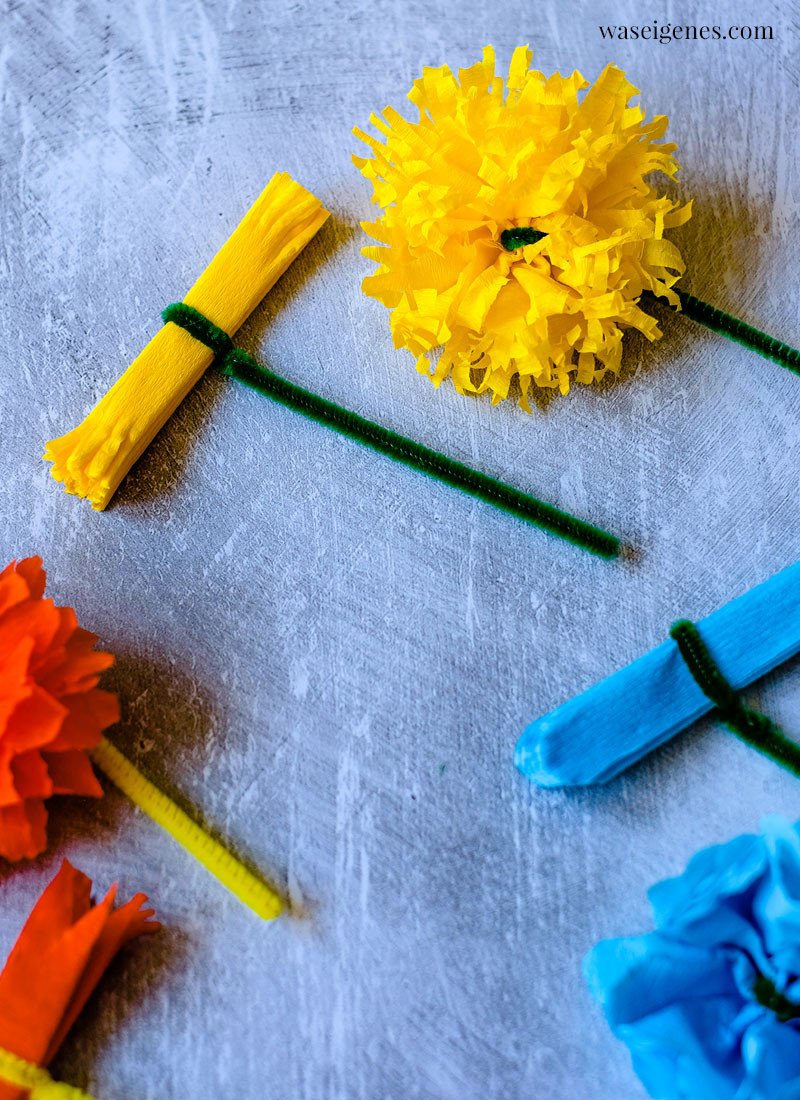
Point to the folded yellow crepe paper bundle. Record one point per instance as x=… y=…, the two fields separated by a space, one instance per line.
x=93 y=458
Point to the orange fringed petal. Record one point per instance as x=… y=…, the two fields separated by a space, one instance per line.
x=31 y=778
x=31 y=571
x=72 y=773
x=88 y=714
x=61 y=954
x=34 y=721
x=23 y=829
x=51 y=709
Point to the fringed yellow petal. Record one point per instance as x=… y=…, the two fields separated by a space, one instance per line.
x=485 y=155
x=93 y=458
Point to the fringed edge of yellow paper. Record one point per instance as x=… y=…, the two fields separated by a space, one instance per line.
x=35 y=1080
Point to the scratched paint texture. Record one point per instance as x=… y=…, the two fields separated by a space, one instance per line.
x=329 y=655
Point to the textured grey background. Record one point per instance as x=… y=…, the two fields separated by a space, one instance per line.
x=327 y=654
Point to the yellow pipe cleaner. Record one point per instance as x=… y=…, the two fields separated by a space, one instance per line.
x=40 y=1085
x=93 y=458
x=216 y=859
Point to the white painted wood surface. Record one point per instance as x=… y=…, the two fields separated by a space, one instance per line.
x=329 y=655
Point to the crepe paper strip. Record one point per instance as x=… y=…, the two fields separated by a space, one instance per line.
x=93 y=458
x=51 y=709
x=748 y=724
x=237 y=364
x=598 y=734
x=216 y=859
x=728 y=325
x=61 y=954
x=485 y=157
x=37 y=1082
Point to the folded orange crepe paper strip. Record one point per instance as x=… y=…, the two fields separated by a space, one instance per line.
x=51 y=709
x=61 y=955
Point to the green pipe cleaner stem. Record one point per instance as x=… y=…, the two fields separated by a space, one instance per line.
x=237 y=364
x=735 y=329
x=750 y=725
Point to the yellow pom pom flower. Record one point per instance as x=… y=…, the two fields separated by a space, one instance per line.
x=519 y=230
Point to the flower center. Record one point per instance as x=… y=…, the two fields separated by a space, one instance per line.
x=767 y=995
x=519 y=236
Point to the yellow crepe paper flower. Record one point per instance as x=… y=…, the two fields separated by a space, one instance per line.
x=488 y=155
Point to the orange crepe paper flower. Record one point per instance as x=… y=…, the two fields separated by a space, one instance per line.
x=61 y=955
x=51 y=710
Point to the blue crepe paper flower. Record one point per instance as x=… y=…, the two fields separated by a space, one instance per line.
x=709 y=1003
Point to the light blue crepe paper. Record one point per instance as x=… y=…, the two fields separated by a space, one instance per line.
x=598 y=734
x=682 y=998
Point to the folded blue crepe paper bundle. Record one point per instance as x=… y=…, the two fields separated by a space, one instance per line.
x=598 y=734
